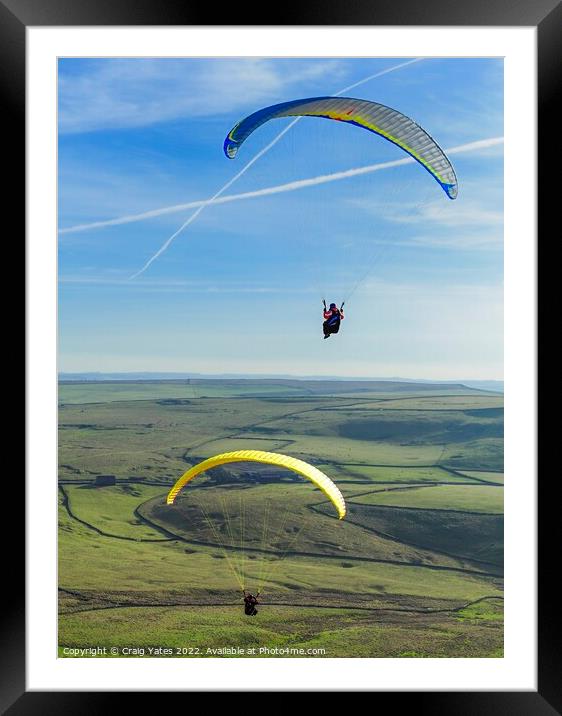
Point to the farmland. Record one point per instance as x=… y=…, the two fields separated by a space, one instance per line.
x=415 y=569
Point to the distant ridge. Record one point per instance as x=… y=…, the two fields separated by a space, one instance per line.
x=489 y=385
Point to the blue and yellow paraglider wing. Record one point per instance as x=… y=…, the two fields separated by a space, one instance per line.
x=377 y=118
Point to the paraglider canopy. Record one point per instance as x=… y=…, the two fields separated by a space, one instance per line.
x=377 y=118
x=312 y=473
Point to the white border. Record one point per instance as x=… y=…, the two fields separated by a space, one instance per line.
x=517 y=670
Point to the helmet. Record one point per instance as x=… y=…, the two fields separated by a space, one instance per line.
x=333 y=305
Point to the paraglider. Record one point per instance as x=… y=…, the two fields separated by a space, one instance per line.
x=333 y=317
x=250 y=603
x=386 y=122
x=233 y=553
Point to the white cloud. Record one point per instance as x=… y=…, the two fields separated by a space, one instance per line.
x=443 y=213
x=171 y=285
x=461 y=241
x=131 y=93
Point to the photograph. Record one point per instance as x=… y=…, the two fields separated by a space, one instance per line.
x=280 y=357
x=281 y=336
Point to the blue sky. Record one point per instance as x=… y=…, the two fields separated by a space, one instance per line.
x=240 y=289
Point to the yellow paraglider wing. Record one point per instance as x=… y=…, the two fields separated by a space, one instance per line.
x=312 y=473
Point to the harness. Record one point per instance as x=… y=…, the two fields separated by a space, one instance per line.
x=334 y=318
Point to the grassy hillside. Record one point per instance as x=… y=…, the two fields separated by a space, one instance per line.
x=414 y=569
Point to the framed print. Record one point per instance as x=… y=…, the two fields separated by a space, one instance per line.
x=276 y=278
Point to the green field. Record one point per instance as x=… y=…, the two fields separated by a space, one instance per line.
x=463 y=498
x=484 y=476
x=382 y=474
x=415 y=569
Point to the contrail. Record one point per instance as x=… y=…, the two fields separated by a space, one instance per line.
x=379 y=74
x=278 y=189
x=260 y=154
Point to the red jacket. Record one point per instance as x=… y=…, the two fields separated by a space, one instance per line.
x=329 y=312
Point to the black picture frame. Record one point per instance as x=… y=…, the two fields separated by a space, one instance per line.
x=546 y=16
